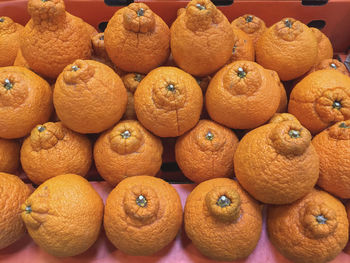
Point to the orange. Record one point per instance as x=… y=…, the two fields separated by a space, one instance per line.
x=222 y=220
x=25 y=101
x=201 y=38
x=282 y=107
x=206 y=151
x=142 y=215
x=9 y=40
x=53 y=38
x=325 y=48
x=89 y=97
x=131 y=81
x=243 y=48
x=347 y=248
x=313 y=229
x=52 y=149
x=288 y=47
x=276 y=163
x=252 y=25
x=333 y=148
x=20 y=60
x=321 y=99
x=136 y=39
x=9 y=155
x=330 y=64
x=99 y=50
x=64 y=215
x=280 y=117
x=168 y=102
x=127 y=150
x=13 y=193
x=242 y=95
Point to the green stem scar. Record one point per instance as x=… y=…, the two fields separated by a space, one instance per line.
x=171 y=87
x=209 y=136
x=337 y=105
x=343 y=125
x=126 y=134
x=288 y=23
x=141 y=201
x=41 y=128
x=223 y=201
x=8 y=85
x=138 y=77
x=75 y=68
x=200 y=7
x=249 y=19
x=28 y=209
x=321 y=219
x=294 y=134
x=241 y=73
x=140 y=12
x=332 y=65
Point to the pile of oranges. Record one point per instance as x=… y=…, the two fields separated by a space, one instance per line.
x=200 y=81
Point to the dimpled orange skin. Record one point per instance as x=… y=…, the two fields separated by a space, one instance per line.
x=53 y=149
x=20 y=60
x=242 y=100
x=243 y=48
x=290 y=51
x=9 y=155
x=315 y=99
x=89 y=97
x=13 y=193
x=274 y=166
x=63 y=216
x=9 y=40
x=222 y=233
x=131 y=81
x=333 y=148
x=25 y=101
x=137 y=230
x=53 y=38
x=168 y=102
x=137 y=39
x=206 y=152
x=280 y=117
x=252 y=25
x=347 y=206
x=298 y=232
x=201 y=38
x=127 y=150
x=329 y=63
x=282 y=107
x=325 y=48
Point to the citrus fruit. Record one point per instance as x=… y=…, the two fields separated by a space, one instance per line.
x=280 y=117
x=242 y=95
x=282 y=107
x=127 y=150
x=330 y=64
x=131 y=81
x=243 y=48
x=20 y=60
x=252 y=25
x=222 y=220
x=89 y=97
x=201 y=38
x=99 y=51
x=168 y=102
x=142 y=215
x=9 y=155
x=64 y=215
x=325 y=48
x=206 y=151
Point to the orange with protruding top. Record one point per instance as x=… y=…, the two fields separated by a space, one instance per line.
x=242 y=95
x=127 y=150
x=252 y=25
x=288 y=47
x=131 y=81
x=201 y=38
x=313 y=229
x=13 y=193
x=325 y=48
x=222 y=220
x=206 y=152
x=9 y=40
x=25 y=101
x=276 y=163
x=333 y=148
x=137 y=39
x=53 y=149
x=89 y=97
x=64 y=215
x=321 y=99
x=142 y=215
x=329 y=63
x=53 y=38
x=99 y=51
x=168 y=102
x=9 y=155
x=280 y=117
x=243 y=48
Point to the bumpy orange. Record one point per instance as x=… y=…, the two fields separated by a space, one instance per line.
x=313 y=229
x=252 y=25
x=53 y=38
x=325 y=48
x=276 y=163
x=242 y=95
x=330 y=64
x=136 y=39
x=288 y=47
x=142 y=215
x=206 y=152
x=222 y=220
x=131 y=81
x=168 y=102
x=52 y=149
x=280 y=117
x=25 y=101
x=64 y=215
x=243 y=48
x=89 y=97
x=13 y=193
x=201 y=34
x=321 y=99
x=9 y=155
